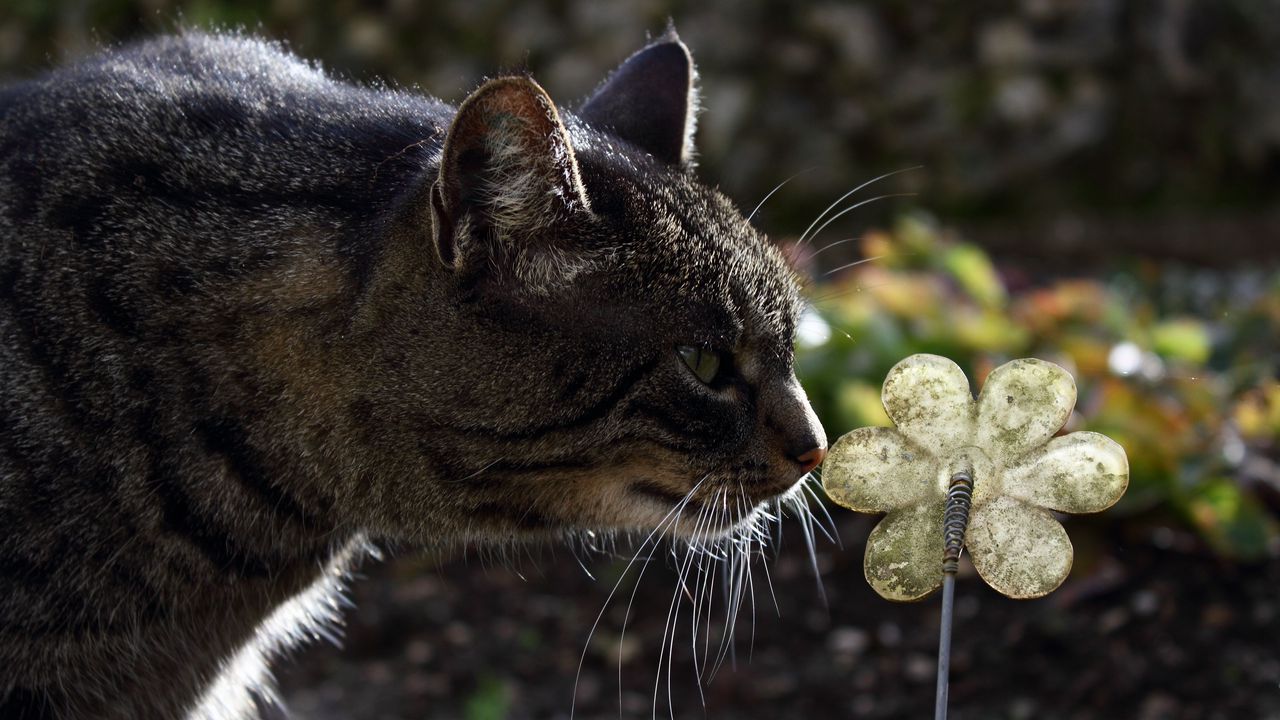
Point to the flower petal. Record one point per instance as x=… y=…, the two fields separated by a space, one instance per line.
x=875 y=469
x=904 y=553
x=1082 y=472
x=1020 y=550
x=1023 y=403
x=928 y=398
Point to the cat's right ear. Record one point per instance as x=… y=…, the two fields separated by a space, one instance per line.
x=507 y=174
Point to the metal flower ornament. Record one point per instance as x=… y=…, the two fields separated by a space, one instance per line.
x=982 y=475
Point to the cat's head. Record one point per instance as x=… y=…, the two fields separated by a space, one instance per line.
x=594 y=336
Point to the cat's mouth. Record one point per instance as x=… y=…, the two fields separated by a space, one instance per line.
x=713 y=508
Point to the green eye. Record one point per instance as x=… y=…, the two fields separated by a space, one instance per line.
x=704 y=363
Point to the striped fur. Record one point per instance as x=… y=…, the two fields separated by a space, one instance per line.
x=231 y=351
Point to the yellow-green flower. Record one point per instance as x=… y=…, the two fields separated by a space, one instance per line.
x=1019 y=475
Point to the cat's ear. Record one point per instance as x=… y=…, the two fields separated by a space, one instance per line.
x=507 y=170
x=651 y=101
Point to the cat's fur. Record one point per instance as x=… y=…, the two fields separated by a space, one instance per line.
x=251 y=315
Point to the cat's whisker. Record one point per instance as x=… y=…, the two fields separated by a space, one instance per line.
x=828 y=246
x=776 y=188
x=805 y=516
x=769 y=583
x=751 y=596
x=622 y=636
x=832 y=206
x=722 y=556
x=672 y=516
x=709 y=596
x=700 y=593
x=857 y=289
x=846 y=266
x=850 y=209
x=802 y=504
x=695 y=565
x=735 y=579
x=752 y=546
x=834 y=535
x=727 y=576
x=666 y=650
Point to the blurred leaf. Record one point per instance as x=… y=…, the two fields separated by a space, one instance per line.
x=880 y=244
x=1087 y=353
x=490 y=701
x=973 y=270
x=859 y=405
x=1184 y=339
x=917 y=239
x=907 y=294
x=988 y=331
x=1234 y=523
x=1257 y=414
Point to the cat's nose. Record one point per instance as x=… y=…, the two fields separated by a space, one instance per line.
x=810 y=459
x=801 y=437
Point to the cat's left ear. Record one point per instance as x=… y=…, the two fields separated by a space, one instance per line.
x=651 y=101
x=507 y=173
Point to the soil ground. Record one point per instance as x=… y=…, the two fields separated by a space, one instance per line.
x=1154 y=628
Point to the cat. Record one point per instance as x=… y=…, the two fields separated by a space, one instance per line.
x=253 y=317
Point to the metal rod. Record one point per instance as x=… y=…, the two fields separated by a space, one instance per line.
x=955 y=521
x=944 y=646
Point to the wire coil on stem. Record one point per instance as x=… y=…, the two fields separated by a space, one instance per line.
x=955 y=520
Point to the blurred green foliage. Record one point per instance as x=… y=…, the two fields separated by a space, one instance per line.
x=1192 y=396
x=490 y=701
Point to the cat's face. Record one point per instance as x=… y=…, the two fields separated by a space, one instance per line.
x=620 y=336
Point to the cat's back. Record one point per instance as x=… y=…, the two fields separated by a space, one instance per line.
x=201 y=123
x=214 y=81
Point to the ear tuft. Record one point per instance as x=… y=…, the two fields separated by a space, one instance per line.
x=507 y=166
x=651 y=101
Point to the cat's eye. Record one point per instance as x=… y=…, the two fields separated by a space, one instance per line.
x=703 y=362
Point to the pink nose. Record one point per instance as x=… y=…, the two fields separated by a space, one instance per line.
x=811 y=459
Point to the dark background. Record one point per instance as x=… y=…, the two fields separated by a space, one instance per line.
x=1055 y=128
x=1133 y=147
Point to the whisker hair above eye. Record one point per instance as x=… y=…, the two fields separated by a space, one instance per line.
x=848 y=210
x=855 y=263
x=839 y=242
x=841 y=293
x=775 y=189
x=841 y=199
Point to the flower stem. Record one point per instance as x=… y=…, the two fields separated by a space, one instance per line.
x=954 y=522
x=944 y=646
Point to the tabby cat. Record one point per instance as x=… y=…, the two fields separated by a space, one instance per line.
x=252 y=316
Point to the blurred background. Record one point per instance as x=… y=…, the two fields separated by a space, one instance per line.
x=1093 y=182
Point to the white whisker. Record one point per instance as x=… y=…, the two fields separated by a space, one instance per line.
x=834 y=535
x=673 y=514
x=666 y=652
x=841 y=199
x=850 y=209
x=776 y=188
x=830 y=245
x=855 y=263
